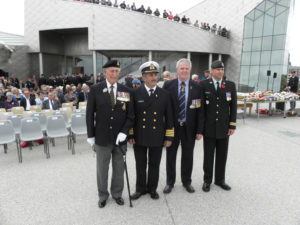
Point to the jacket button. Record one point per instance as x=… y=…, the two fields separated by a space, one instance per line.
x=111 y=118
x=217 y=105
x=144 y=112
x=217 y=112
x=217 y=119
x=112 y=109
x=155 y=113
x=110 y=127
x=144 y=127
x=154 y=120
x=154 y=128
x=217 y=98
x=144 y=119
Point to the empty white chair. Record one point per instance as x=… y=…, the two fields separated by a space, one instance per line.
x=43 y=119
x=31 y=130
x=16 y=121
x=7 y=135
x=56 y=127
x=78 y=127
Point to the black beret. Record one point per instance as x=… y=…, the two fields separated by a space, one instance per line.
x=112 y=63
x=217 y=64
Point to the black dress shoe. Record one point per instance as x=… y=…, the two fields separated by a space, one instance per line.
x=206 y=187
x=154 y=195
x=137 y=195
x=189 y=188
x=102 y=204
x=119 y=201
x=224 y=186
x=168 y=189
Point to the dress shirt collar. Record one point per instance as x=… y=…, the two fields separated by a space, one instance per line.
x=148 y=89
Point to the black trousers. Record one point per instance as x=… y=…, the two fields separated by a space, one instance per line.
x=220 y=146
x=154 y=157
x=187 y=155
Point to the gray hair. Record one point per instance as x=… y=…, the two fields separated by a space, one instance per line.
x=9 y=93
x=195 y=76
x=185 y=61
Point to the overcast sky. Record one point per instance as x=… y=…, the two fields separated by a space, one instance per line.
x=12 y=18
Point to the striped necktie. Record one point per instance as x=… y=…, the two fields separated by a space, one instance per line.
x=181 y=100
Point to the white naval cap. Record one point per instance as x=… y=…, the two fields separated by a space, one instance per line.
x=149 y=67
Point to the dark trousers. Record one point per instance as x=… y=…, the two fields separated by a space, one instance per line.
x=154 y=157
x=220 y=146
x=187 y=155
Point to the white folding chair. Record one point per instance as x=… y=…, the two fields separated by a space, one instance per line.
x=7 y=135
x=78 y=127
x=56 y=127
x=31 y=130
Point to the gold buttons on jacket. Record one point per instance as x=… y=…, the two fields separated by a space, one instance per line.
x=144 y=126
x=217 y=112
x=144 y=112
x=155 y=113
x=154 y=128
x=217 y=98
x=111 y=118
x=144 y=119
x=112 y=109
x=110 y=127
x=217 y=119
x=154 y=120
x=217 y=105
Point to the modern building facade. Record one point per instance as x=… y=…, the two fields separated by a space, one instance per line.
x=259 y=32
x=66 y=36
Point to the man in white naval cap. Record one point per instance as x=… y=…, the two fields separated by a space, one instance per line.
x=153 y=128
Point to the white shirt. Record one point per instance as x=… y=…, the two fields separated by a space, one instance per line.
x=148 y=89
x=115 y=89
x=50 y=105
x=27 y=104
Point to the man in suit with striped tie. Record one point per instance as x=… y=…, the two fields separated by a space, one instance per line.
x=189 y=122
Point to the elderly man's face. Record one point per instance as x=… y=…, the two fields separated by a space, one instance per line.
x=217 y=73
x=85 y=89
x=183 y=71
x=9 y=97
x=50 y=96
x=112 y=74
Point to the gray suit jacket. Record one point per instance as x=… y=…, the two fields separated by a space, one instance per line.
x=46 y=104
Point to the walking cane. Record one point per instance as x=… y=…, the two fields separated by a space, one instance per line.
x=125 y=165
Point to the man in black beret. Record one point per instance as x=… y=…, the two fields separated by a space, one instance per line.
x=110 y=106
x=220 y=108
x=293 y=87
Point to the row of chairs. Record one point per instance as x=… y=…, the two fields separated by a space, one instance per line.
x=40 y=126
x=37 y=108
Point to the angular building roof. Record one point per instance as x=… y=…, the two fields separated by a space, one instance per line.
x=11 y=39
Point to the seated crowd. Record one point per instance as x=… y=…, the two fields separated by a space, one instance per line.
x=49 y=93
x=221 y=31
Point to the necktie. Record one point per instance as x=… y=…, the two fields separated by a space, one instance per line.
x=151 y=92
x=112 y=96
x=218 y=88
x=182 y=101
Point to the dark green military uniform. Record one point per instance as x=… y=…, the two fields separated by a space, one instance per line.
x=220 y=115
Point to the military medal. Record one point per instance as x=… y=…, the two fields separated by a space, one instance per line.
x=124 y=106
x=228 y=96
x=123 y=96
x=196 y=103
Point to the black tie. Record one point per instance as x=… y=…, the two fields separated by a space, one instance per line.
x=218 y=88
x=112 y=96
x=151 y=92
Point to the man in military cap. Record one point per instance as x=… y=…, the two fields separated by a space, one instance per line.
x=109 y=116
x=220 y=108
x=188 y=116
x=152 y=130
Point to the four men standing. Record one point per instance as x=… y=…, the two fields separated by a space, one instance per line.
x=152 y=113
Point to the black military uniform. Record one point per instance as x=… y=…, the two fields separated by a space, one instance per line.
x=293 y=84
x=108 y=116
x=220 y=115
x=153 y=125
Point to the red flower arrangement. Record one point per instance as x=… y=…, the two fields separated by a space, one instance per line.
x=223 y=86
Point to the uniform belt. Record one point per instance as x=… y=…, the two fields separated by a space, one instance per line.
x=181 y=124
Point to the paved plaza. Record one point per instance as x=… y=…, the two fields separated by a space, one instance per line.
x=262 y=169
